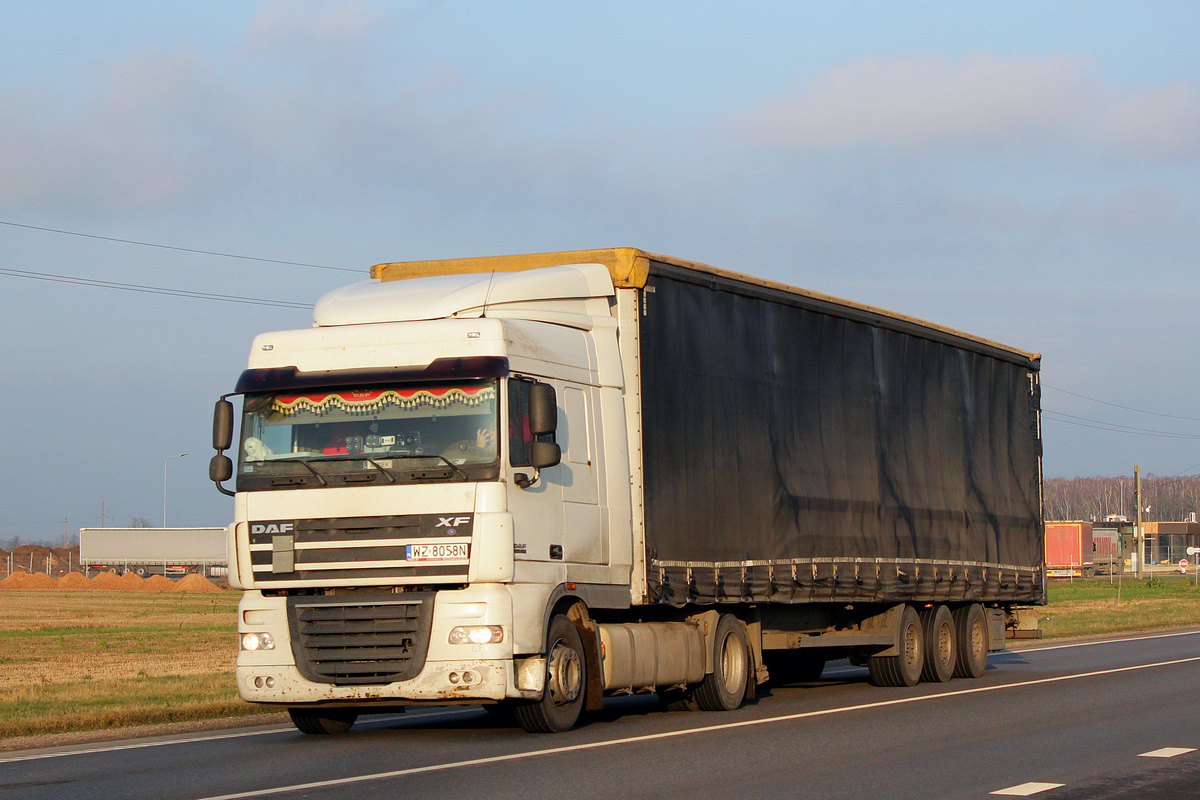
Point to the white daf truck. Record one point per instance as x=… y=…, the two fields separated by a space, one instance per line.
x=533 y=481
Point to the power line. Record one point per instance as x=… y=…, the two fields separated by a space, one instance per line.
x=134 y=287
x=1115 y=405
x=171 y=247
x=1056 y=416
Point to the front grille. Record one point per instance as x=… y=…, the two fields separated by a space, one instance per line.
x=370 y=639
x=374 y=551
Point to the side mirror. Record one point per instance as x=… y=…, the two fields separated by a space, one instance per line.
x=220 y=469
x=545 y=454
x=223 y=425
x=543 y=410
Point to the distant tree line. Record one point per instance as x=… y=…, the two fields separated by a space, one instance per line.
x=1169 y=499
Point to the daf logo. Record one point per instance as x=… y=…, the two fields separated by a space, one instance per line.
x=451 y=522
x=272 y=527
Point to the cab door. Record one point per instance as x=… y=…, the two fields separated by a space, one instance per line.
x=583 y=540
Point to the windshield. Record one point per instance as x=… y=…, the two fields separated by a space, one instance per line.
x=361 y=434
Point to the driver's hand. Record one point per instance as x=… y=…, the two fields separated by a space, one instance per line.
x=485 y=438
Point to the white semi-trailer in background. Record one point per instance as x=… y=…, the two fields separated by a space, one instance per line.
x=533 y=481
x=153 y=551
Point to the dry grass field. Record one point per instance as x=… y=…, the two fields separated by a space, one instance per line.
x=86 y=660
x=91 y=660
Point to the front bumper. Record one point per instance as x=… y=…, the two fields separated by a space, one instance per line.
x=440 y=672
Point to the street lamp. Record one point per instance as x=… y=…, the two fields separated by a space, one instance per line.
x=165 y=461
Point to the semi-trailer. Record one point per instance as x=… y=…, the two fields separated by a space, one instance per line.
x=533 y=481
x=153 y=551
x=1070 y=549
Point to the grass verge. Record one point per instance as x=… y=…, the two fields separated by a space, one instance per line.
x=1097 y=607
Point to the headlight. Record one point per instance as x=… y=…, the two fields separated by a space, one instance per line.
x=257 y=641
x=477 y=634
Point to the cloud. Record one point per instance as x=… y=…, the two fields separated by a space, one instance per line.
x=928 y=103
x=300 y=26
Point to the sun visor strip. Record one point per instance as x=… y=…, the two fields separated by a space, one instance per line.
x=274 y=379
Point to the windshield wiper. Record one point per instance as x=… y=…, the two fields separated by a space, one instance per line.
x=391 y=478
x=304 y=462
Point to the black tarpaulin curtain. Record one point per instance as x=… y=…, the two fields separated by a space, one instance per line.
x=774 y=431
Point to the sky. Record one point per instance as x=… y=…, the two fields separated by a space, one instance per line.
x=1024 y=171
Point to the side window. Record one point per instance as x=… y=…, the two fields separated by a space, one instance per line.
x=519 y=436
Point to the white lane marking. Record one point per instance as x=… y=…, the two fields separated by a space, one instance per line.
x=1027 y=789
x=1167 y=752
x=474 y=762
x=1069 y=645
x=191 y=739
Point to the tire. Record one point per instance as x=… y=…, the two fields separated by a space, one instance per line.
x=971 y=638
x=904 y=668
x=322 y=721
x=566 y=683
x=724 y=688
x=941 y=653
x=789 y=667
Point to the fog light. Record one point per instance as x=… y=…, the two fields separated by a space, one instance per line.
x=270 y=682
x=477 y=634
x=257 y=641
x=258 y=682
x=454 y=677
x=468 y=677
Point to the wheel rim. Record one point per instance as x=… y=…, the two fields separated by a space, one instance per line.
x=566 y=674
x=912 y=647
x=977 y=640
x=946 y=644
x=733 y=665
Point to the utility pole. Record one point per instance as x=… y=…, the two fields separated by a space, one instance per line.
x=66 y=541
x=102 y=515
x=1138 y=538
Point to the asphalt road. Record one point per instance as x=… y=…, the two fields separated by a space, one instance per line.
x=1112 y=720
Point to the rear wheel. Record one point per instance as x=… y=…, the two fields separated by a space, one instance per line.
x=323 y=720
x=566 y=683
x=971 y=635
x=724 y=688
x=940 y=655
x=903 y=668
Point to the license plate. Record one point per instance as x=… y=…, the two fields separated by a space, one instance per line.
x=437 y=552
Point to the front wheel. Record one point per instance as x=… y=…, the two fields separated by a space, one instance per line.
x=566 y=682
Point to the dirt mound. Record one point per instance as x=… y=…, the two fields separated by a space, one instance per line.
x=130 y=582
x=15 y=581
x=159 y=583
x=106 y=580
x=74 y=580
x=23 y=580
x=195 y=583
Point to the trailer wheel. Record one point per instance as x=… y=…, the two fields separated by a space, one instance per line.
x=940 y=651
x=904 y=668
x=566 y=683
x=322 y=721
x=724 y=688
x=971 y=635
